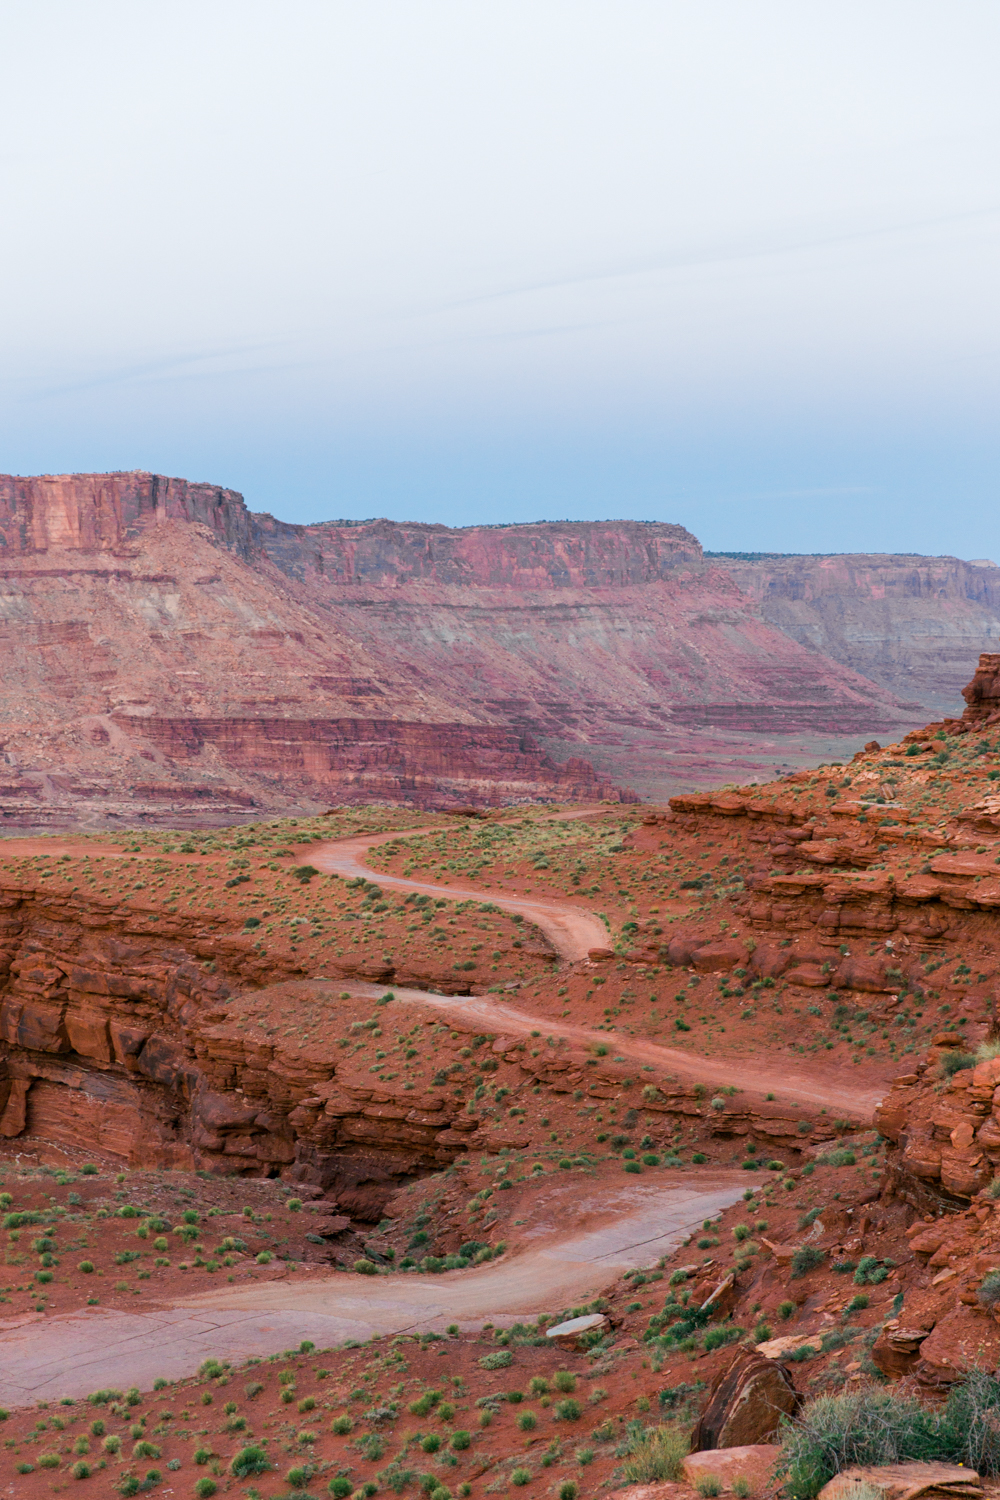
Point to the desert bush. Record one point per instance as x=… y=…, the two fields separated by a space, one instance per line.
x=874 y=1426
x=718 y=1337
x=988 y=1293
x=250 y=1460
x=657 y=1455
x=806 y=1258
x=954 y=1062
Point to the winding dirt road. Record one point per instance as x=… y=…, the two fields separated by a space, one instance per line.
x=573 y=932
x=618 y=1229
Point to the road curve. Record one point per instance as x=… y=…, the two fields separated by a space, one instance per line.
x=629 y=1226
x=574 y=932
x=571 y=930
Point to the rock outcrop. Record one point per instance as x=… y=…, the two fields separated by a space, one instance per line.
x=169 y=655
x=746 y=1403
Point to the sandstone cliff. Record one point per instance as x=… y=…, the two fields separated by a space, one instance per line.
x=168 y=655
x=910 y=623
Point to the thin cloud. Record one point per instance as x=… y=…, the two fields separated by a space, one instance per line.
x=709 y=256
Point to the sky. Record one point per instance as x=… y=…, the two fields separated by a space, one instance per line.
x=728 y=263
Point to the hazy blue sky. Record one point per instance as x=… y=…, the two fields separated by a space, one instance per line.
x=732 y=263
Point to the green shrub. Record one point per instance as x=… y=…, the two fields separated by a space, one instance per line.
x=741 y=1487
x=340 y=1487
x=342 y=1426
x=718 y=1337
x=805 y=1259
x=425 y=1404
x=971 y=1420
x=870 y=1427
x=250 y=1460
x=871 y=1271
x=569 y=1410
x=366 y=1267
x=498 y=1360
x=955 y=1062
x=988 y=1293
x=520 y=1476
x=461 y=1440
x=657 y=1455
x=205 y=1487
x=568 y=1490
x=785 y=1310
x=565 y=1381
x=708 y=1485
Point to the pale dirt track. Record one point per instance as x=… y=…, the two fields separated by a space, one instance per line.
x=572 y=930
x=630 y=1226
x=573 y=933
x=618 y=1229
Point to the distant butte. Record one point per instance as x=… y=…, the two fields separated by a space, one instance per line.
x=168 y=655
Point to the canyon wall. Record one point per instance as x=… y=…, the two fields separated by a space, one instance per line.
x=169 y=1041
x=101 y=512
x=168 y=656
x=910 y=623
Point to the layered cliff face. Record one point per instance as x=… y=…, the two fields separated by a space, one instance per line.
x=103 y=512
x=910 y=623
x=169 y=655
x=157 y=665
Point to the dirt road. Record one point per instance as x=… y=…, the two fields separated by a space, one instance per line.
x=632 y=1226
x=571 y=929
x=573 y=932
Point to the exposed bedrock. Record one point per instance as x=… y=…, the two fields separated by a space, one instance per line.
x=121 y=1039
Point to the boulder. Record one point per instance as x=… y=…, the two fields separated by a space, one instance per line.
x=745 y=1404
x=567 y=1335
x=769 y=963
x=964 y=1170
x=680 y=950
x=779 y=1348
x=719 y=958
x=905 y=1481
x=897 y=1350
x=751 y=1461
x=873 y=975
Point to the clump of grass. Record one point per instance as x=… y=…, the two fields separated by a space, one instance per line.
x=874 y=1427
x=658 y=1455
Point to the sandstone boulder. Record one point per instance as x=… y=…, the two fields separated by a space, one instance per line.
x=719 y=958
x=906 y=1481
x=897 y=1350
x=745 y=1404
x=751 y=1461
